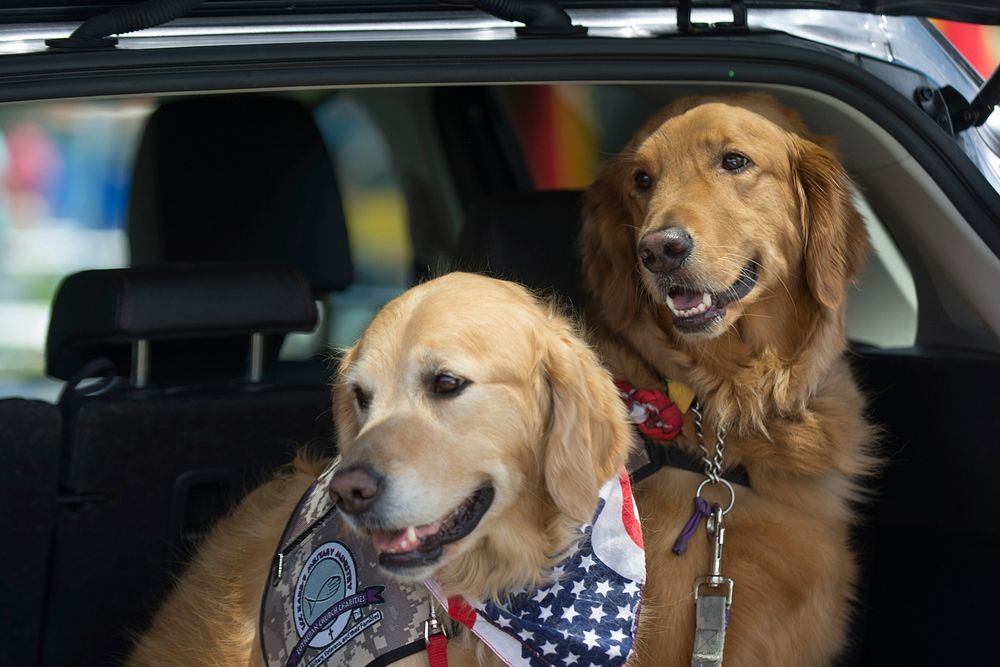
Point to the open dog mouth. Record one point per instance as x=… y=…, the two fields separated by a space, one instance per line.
x=695 y=311
x=418 y=546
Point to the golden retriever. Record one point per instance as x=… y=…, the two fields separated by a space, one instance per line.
x=717 y=248
x=465 y=392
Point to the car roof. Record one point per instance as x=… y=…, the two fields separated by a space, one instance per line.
x=971 y=11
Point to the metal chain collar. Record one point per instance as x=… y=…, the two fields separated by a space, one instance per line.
x=714 y=460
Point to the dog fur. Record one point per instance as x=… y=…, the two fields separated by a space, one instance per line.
x=538 y=418
x=772 y=371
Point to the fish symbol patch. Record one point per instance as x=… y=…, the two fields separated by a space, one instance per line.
x=325 y=601
x=329 y=589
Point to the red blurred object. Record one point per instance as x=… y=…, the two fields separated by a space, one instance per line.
x=534 y=114
x=977 y=43
x=34 y=158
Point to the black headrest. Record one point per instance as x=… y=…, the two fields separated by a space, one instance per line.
x=98 y=314
x=529 y=237
x=238 y=178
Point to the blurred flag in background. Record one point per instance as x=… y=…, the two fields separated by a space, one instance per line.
x=980 y=44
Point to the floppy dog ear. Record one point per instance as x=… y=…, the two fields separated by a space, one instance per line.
x=607 y=247
x=588 y=438
x=836 y=240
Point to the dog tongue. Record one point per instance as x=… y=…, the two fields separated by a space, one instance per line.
x=402 y=540
x=685 y=301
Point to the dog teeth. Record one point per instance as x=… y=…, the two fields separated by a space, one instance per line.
x=706 y=303
x=410 y=539
x=409 y=542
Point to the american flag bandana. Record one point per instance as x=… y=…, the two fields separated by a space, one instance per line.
x=589 y=614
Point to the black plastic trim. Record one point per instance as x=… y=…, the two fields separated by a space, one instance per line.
x=975 y=11
x=748 y=60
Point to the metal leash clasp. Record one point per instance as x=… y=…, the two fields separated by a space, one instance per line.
x=717 y=532
x=432 y=626
x=713 y=596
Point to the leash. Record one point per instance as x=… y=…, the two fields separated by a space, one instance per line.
x=656 y=417
x=712 y=608
x=436 y=640
x=713 y=594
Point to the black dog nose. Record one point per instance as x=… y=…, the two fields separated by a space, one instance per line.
x=664 y=250
x=355 y=489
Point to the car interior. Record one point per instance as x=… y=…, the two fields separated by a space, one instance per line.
x=246 y=273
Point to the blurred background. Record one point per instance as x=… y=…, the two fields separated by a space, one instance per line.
x=64 y=185
x=65 y=170
x=978 y=43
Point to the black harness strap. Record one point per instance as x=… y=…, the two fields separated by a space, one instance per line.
x=654 y=456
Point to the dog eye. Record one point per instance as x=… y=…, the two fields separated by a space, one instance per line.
x=735 y=162
x=642 y=180
x=444 y=384
x=363 y=398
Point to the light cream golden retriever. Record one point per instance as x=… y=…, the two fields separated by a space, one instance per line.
x=465 y=392
x=717 y=248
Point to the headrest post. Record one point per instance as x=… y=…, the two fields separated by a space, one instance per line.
x=256 y=370
x=140 y=363
x=199 y=316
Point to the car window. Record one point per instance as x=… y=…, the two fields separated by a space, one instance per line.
x=882 y=305
x=558 y=133
x=566 y=130
x=65 y=169
x=64 y=174
x=377 y=224
x=64 y=179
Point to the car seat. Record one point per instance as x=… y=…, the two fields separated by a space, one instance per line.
x=178 y=423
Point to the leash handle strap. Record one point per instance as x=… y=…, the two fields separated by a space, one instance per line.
x=712 y=610
x=711 y=613
x=437 y=650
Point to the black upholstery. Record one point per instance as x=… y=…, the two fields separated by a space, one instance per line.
x=930 y=537
x=30 y=434
x=529 y=237
x=144 y=477
x=144 y=472
x=100 y=313
x=238 y=178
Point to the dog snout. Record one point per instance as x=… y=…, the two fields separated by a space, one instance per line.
x=664 y=250
x=355 y=489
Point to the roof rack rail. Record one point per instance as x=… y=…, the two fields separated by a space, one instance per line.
x=738 y=24
x=95 y=32
x=541 y=18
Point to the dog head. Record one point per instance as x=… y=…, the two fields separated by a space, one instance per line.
x=718 y=204
x=475 y=430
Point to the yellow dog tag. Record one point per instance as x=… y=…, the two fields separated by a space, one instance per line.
x=681 y=394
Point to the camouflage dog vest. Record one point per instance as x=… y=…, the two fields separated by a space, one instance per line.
x=325 y=602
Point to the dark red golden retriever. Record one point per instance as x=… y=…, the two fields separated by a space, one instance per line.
x=717 y=249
